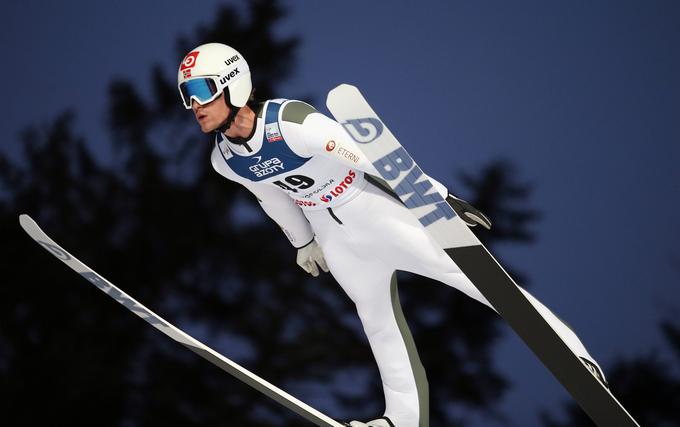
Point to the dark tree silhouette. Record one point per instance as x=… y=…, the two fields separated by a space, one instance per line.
x=162 y=225
x=46 y=327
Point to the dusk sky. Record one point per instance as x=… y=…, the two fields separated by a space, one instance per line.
x=583 y=97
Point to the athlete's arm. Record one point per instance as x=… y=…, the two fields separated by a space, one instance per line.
x=326 y=137
x=275 y=203
x=283 y=210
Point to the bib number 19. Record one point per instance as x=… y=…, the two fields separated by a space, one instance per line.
x=295 y=182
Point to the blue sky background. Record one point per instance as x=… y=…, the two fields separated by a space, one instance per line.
x=582 y=96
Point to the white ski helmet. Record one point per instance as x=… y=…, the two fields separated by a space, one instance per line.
x=208 y=70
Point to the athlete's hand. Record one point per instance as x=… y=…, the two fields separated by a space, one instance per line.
x=309 y=256
x=468 y=213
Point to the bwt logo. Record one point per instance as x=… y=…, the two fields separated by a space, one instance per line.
x=364 y=130
x=123 y=298
x=406 y=178
x=56 y=250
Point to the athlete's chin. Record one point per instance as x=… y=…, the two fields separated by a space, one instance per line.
x=206 y=127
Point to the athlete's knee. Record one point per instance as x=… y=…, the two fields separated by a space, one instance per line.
x=400 y=381
x=375 y=321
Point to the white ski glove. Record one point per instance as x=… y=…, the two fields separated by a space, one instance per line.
x=309 y=256
x=468 y=213
x=380 y=422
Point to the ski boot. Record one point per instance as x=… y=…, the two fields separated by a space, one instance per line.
x=596 y=371
x=380 y=422
x=468 y=213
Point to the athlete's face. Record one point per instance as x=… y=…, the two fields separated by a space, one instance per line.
x=210 y=115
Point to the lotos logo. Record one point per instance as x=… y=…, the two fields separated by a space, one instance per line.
x=189 y=61
x=337 y=191
x=364 y=130
x=330 y=145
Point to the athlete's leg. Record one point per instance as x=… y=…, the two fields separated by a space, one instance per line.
x=372 y=287
x=410 y=248
x=371 y=284
x=431 y=261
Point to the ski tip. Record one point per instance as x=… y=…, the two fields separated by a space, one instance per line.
x=26 y=221
x=342 y=88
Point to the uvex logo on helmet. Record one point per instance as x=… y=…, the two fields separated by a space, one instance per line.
x=229 y=76
x=231 y=60
x=217 y=61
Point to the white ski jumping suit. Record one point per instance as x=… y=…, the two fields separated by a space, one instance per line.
x=310 y=177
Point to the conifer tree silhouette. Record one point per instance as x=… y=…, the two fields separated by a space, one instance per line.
x=162 y=225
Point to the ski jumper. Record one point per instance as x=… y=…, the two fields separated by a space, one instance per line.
x=310 y=177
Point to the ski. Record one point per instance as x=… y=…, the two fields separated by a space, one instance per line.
x=217 y=359
x=403 y=175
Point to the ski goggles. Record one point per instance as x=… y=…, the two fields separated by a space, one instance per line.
x=203 y=89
